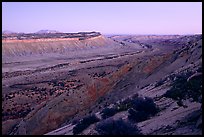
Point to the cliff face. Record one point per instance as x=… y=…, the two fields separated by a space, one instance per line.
x=11 y=48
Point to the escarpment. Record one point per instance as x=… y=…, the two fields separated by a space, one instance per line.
x=53 y=44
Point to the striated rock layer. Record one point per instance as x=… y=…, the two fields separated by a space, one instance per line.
x=51 y=45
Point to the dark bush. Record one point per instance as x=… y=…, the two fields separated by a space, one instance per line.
x=195 y=87
x=137 y=116
x=54 y=82
x=75 y=121
x=101 y=100
x=174 y=93
x=61 y=84
x=141 y=109
x=145 y=104
x=183 y=89
x=108 y=112
x=199 y=69
x=116 y=127
x=84 y=123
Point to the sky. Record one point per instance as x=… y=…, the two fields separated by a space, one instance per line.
x=104 y=17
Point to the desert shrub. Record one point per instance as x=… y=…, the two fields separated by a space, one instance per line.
x=137 y=116
x=75 y=121
x=116 y=127
x=174 y=93
x=195 y=87
x=183 y=89
x=101 y=100
x=178 y=88
x=108 y=112
x=142 y=109
x=145 y=104
x=54 y=82
x=84 y=123
x=61 y=84
x=23 y=113
x=138 y=103
x=124 y=105
x=199 y=69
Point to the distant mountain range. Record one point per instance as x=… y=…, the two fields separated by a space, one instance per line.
x=47 y=31
x=8 y=32
x=38 y=32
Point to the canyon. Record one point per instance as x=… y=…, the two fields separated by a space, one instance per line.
x=50 y=81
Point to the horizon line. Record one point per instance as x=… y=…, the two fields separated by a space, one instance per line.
x=105 y=33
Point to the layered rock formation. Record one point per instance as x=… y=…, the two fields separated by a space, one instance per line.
x=32 y=45
x=43 y=92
